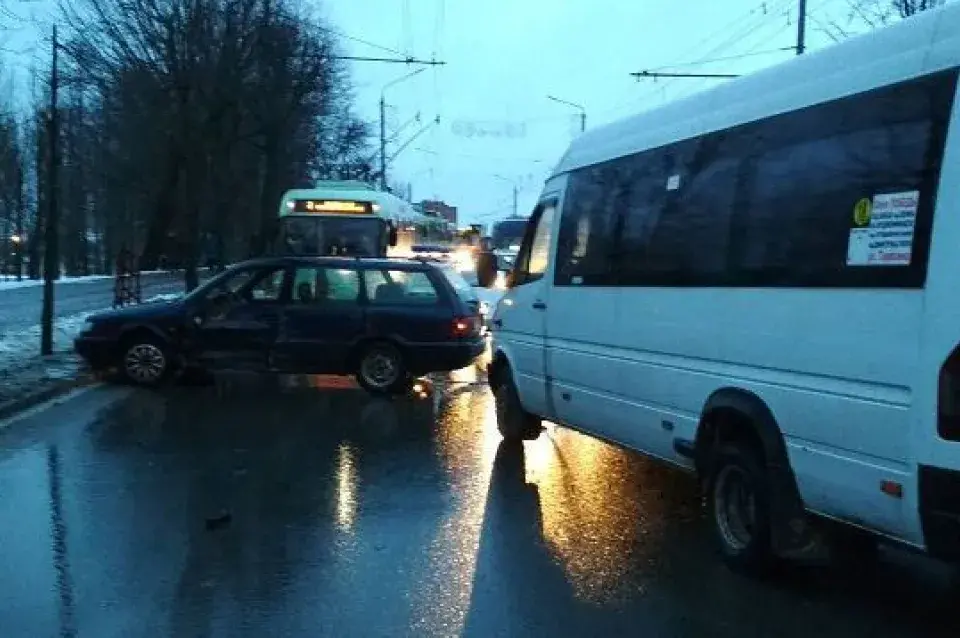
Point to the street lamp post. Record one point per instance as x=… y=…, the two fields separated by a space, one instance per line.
x=17 y=242
x=583 y=111
x=383 y=125
x=18 y=238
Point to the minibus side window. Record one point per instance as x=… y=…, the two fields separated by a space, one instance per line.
x=534 y=256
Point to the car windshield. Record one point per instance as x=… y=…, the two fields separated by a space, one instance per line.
x=508 y=233
x=353 y=236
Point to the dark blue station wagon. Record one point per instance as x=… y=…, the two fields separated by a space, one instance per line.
x=384 y=320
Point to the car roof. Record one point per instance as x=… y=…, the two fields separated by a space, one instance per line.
x=359 y=263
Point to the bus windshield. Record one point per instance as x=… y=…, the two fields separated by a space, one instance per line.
x=508 y=234
x=332 y=235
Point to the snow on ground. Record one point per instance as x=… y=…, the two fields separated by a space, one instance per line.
x=9 y=283
x=18 y=345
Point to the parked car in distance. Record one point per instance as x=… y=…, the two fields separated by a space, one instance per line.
x=383 y=320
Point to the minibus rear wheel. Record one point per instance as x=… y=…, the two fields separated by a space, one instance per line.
x=738 y=499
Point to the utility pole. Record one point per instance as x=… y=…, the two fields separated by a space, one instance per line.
x=801 y=27
x=383 y=143
x=51 y=257
x=383 y=110
x=515 y=200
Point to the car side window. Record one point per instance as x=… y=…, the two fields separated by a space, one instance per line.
x=267 y=285
x=250 y=284
x=323 y=285
x=398 y=287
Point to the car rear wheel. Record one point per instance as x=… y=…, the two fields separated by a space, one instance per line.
x=513 y=422
x=146 y=361
x=380 y=369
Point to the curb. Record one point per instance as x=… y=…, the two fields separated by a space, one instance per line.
x=32 y=399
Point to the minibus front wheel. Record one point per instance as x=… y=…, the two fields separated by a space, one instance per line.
x=513 y=422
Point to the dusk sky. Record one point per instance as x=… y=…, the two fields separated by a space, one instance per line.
x=503 y=57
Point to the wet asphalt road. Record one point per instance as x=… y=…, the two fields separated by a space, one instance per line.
x=20 y=307
x=286 y=508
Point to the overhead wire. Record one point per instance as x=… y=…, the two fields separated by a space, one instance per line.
x=767 y=9
x=742 y=26
x=695 y=84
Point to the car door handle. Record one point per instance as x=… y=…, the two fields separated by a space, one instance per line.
x=539 y=305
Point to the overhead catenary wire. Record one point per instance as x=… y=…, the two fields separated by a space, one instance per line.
x=726 y=58
x=735 y=31
x=696 y=84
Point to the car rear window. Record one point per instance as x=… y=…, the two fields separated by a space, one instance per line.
x=398 y=287
x=458 y=282
x=463 y=288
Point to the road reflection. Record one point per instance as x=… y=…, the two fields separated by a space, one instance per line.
x=346 y=488
x=353 y=515
x=467 y=443
x=598 y=520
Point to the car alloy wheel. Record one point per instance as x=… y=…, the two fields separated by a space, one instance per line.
x=145 y=363
x=380 y=369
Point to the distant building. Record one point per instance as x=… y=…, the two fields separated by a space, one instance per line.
x=439 y=209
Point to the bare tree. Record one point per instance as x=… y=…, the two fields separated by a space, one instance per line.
x=907 y=8
x=875 y=13
x=189 y=118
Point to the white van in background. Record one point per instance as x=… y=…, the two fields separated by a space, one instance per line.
x=761 y=283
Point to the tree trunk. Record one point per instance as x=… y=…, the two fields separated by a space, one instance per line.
x=164 y=213
x=269 y=197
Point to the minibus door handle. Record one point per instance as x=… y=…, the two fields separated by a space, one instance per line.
x=539 y=305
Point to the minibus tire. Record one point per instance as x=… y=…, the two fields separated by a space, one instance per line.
x=513 y=422
x=746 y=548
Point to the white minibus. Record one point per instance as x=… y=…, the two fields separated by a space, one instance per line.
x=761 y=284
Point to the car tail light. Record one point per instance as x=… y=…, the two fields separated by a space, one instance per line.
x=466 y=326
x=948 y=398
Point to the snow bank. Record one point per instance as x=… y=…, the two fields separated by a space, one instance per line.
x=12 y=284
x=20 y=344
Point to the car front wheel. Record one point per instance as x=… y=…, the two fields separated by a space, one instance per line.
x=146 y=361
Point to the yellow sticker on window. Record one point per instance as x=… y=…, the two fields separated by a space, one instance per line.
x=861 y=212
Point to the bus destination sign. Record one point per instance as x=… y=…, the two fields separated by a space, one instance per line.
x=332 y=206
